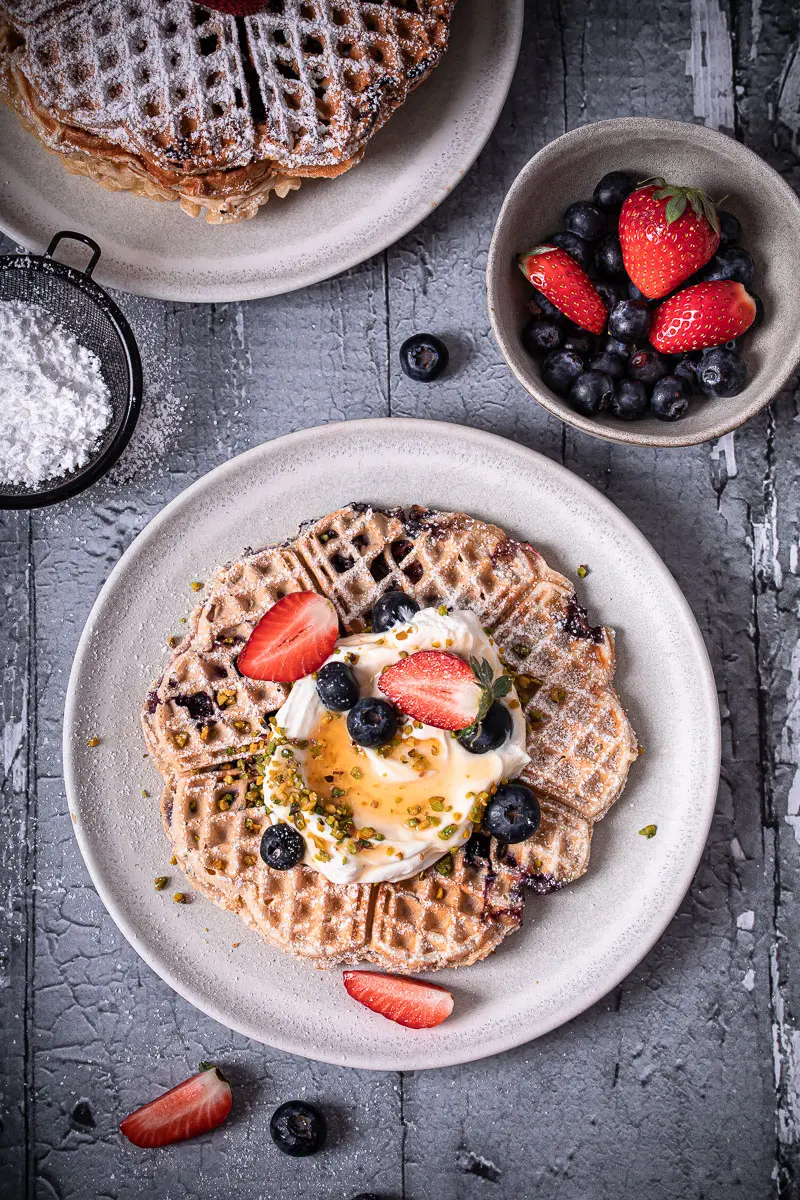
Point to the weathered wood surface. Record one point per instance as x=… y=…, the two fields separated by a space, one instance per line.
x=683 y=1083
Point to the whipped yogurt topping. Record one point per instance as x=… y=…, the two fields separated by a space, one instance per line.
x=411 y=801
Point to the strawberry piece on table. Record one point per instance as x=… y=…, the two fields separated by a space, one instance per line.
x=195 y=1106
x=558 y=277
x=435 y=687
x=666 y=233
x=293 y=639
x=409 y=1002
x=706 y=314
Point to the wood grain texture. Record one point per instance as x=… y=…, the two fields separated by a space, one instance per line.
x=685 y=1082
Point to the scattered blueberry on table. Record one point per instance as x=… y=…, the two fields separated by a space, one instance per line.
x=640 y=302
x=423 y=357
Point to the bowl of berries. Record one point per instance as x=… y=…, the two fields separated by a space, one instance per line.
x=641 y=281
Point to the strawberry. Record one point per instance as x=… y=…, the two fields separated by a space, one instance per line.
x=435 y=687
x=558 y=277
x=195 y=1106
x=291 y=640
x=706 y=314
x=236 y=8
x=409 y=1002
x=666 y=233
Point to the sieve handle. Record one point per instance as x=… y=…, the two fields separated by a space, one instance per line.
x=76 y=237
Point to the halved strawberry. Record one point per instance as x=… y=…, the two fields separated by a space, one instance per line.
x=565 y=284
x=435 y=687
x=195 y=1106
x=409 y=1002
x=706 y=314
x=293 y=639
x=666 y=233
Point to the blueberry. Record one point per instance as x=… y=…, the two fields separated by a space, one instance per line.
x=581 y=341
x=392 y=608
x=372 y=722
x=494 y=729
x=423 y=357
x=513 y=814
x=669 y=399
x=560 y=370
x=539 y=337
x=685 y=367
x=584 y=219
x=630 y=400
x=282 y=847
x=337 y=687
x=575 y=247
x=621 y=349
x=609 y=293
x=199 y=705
x=634 y=293
x=298 y=1128
x=722 y=373
x=630 y=320
x=610 y=364
x=729 y=228
x=613 y=190
x=731 y=263
x=545 y=306
x=608 y=257
x=647 y=366
x=591 y=393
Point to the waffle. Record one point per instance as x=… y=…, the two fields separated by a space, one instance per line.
x=202 y=713
x=175 y=101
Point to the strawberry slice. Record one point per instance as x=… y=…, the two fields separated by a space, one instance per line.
x=435 y=687
x=195 y=1106
x=666 y=233
x=565 y=284
x=706 y=314
x=293 y=639
x=409 y=1002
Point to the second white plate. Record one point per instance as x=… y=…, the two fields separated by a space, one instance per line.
x=575 y=945
x=328 y=226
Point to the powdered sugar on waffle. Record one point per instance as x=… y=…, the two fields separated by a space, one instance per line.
x=54 y=402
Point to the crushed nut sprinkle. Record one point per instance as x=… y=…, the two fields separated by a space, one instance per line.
x=92 y=742
x=172 y=641
x=583 y=571
x=558 y=695
x=649 y=831
x=180 y=740
x=196 y=585
x=446 y=833
x=226 y=697
x=160 y=882
x=180 y=898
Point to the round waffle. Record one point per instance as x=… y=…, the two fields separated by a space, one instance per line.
x=172 y=100
x=204 y=725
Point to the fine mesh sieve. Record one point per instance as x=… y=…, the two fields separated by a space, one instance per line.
x=91 y=316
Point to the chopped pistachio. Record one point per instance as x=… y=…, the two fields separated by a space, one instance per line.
x=180 y=740
x=649 y=831
x=446 y=833
x=558 y=695
x=196 y=585
x=583 y=571
x=92 y=742
x=160 y=882
x=180 y=898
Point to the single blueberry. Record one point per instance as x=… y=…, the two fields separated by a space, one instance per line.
x=282 y=847
x=513 y=814
x=611 y=364
x=629 y=402
x=298 y=1128
x=585 y=219
x=423 y=357
x=608 y=257
x=372 y=722
x=722 y=373
x=591 y=393
x=560 y=370
x=634 y=293
x=630 y=320
x=337 y=686
x=392 y=608
x=574 y=246
x=494 y=729
x=647 y=366
x=729 y=228
x=546 y=307
x=621 y=349
x=613 y=190
x=669 y=398
x=542 y=335
x=609 y=293
x=580 y=340
x=731 y=263
x=686 y=367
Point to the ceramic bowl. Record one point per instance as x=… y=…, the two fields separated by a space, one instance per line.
x=568 y=169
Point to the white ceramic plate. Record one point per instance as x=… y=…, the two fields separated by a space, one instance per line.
x=329 y=225
x=576 y=944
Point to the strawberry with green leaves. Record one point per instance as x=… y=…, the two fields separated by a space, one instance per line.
x=666 y=233
x=706 y=314
x=566 y=285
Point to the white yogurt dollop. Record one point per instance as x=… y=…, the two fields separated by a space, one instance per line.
x=412 y=805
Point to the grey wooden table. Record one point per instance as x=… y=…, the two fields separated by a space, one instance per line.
x=685 y=1082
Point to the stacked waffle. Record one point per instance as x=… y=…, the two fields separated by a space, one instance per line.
x=172 y=100
x=205 y=723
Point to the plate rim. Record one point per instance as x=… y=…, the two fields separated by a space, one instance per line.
x=187 y=289
x=420 y=1059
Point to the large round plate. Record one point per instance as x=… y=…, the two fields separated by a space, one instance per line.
x=576 y=944
x=412 y=164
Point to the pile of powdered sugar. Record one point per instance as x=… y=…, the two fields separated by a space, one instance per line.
x=54 y=402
